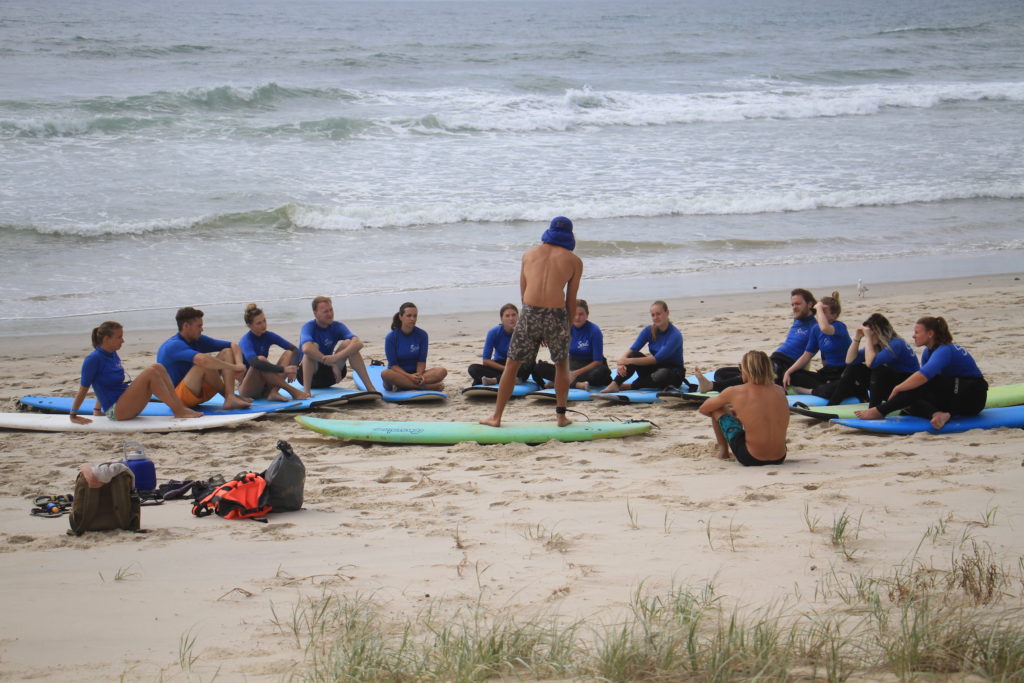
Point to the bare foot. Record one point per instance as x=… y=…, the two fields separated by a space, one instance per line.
x=562 y=420
x=723 y=454
x=939 y=420
x=610 y=389
x=585 y=386
x=703 y=383
x=276 y=396
x=299 y=395
x=488 y=381
x=233 y=402
x=491 y=421
x=187 y=412
x=869 y=414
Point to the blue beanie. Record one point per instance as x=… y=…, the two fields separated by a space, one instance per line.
x=560 y=233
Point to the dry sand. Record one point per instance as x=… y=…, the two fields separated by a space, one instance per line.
x=417 y=526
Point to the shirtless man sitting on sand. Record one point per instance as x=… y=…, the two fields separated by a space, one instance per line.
x=751 y=418
x=549 y=280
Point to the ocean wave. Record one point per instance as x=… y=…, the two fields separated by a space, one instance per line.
x=951 y=30
x=227 y=109
x=357 y=217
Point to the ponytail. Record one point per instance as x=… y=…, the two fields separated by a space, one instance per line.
x=939 y=327
x=252 y=311
x=396 y=320
x=833 y=303
x=103 y=331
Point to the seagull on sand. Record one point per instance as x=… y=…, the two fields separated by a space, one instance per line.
x=861 y=288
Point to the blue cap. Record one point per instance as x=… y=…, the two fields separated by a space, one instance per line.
x=560 y=233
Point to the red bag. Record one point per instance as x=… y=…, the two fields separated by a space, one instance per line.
x=244 y=497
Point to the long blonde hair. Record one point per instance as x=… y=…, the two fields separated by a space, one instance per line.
x=758 y=368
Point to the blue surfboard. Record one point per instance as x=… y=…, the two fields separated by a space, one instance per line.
x=407 y=396
x=990 y=418
x=491 y=390
x=62 y=404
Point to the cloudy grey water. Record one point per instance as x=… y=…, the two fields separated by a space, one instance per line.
x=179 y=154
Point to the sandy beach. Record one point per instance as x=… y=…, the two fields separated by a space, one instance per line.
x=571 y=531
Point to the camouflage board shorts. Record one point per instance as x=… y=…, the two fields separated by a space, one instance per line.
x=536 y=325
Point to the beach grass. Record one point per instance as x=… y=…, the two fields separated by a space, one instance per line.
x=916 y=622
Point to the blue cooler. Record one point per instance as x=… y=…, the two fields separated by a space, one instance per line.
x=141 y=466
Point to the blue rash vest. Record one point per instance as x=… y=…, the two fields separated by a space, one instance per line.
x=325 y=338
x=496 y=344
x=949 y=360
x=899 y=357
x=667 y=348
x=796 y=339
x=177 y=355
x=406 y=350
x=253 y=346
x=102 y=371
x=833 y=347
x=587 y=343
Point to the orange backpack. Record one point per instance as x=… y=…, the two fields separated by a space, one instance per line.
x=244 y=497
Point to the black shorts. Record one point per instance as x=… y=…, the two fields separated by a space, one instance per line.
x=324 y=376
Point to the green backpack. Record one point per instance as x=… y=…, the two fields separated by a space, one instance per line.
x=115 y=505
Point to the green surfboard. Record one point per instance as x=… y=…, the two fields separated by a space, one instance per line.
x=998 y=397
x=384 y=431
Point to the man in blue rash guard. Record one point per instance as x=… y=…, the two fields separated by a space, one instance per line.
x=200 y=366
x=801 y=303
x=327 y=345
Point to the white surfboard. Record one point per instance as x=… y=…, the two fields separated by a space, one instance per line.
x=44 y=422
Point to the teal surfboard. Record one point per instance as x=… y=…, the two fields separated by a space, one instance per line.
x=408 y=396
x=990 y=418
x=998 y=397
x=456 y=432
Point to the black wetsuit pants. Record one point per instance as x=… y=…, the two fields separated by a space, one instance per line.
x=544 y=371
x=652 y=376
x=964 y=396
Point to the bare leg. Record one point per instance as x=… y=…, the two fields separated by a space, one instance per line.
x=505 y=387
x=226 y=379
x=721 y=442
x=252 y=384
x=152 y=380
x=562 y=391
x=309 y=366
x=359 y=366
x=703 y=383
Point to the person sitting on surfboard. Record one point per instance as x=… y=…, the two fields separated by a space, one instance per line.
x=948 y=383
x=264 y=378
x=200 y=367
x=549 y=279
x=664 y=367
x=801 y=303
x=495 y=354
x=751 y=419
x=872 y=372
x=327 y=347
x=587 y=364
x=406 y=351
x=102 y=370
x=829 y=336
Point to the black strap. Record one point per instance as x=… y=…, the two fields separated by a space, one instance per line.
x=560 y=410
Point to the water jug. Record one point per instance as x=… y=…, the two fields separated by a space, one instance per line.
x=141 y=466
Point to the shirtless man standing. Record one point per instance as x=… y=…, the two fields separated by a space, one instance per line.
x=548 y=282
x=751 y=418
